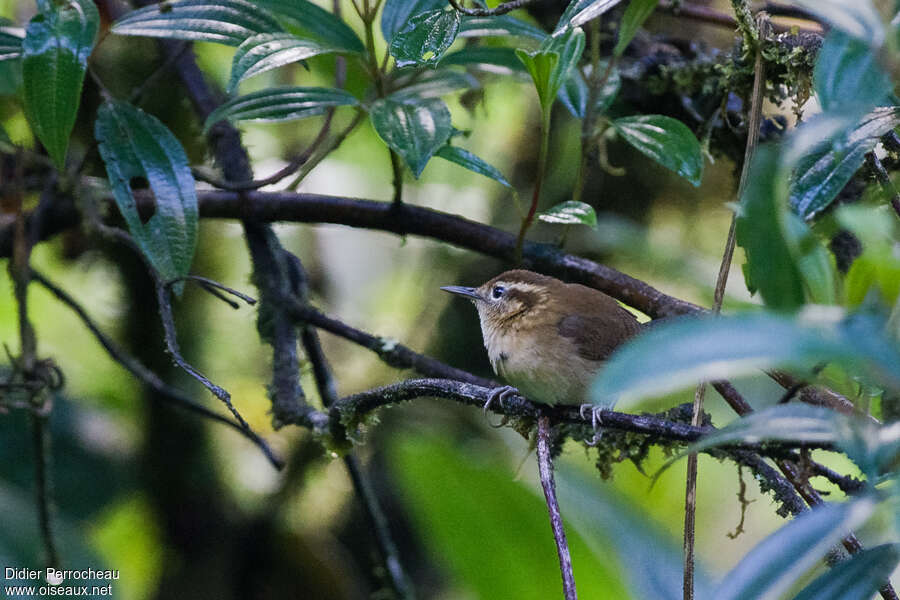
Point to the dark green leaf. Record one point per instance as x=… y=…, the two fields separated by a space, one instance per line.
x=666 y=140
x=466 y=159
x=761 y=230
x=10 y=43
x=432 y=84
x=425 y=38
x=858 y=18
x=551 y=64
x=848 y=73
x=580 y=12
x=777 y=563
x=55 y=53
x=689 y=350
x=499 y=26
x=857 y=578
x=502 y=61
x=133 y=145
x=610 y=88
x=414 y=131
x=570 y=212
x=397 y=13
x=227 y=22
x=280 y=104
x=267 y=51
x=635 y=15
x=823 y=171
x=573 y=94
x=315 y=22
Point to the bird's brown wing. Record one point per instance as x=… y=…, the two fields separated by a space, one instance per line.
x=596 y=336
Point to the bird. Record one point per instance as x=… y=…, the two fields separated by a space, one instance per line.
x=545 y=337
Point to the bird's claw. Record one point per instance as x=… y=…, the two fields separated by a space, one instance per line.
x=500 y=394
x=596 y=413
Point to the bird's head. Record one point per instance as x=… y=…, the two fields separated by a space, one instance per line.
x=508 y=298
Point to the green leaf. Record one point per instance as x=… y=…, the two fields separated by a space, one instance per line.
x=10 y=43
x=502 y=61
x=580 y=12
x=859 y=18
x=466 y=159
x=666 y=140
x=825 y=169
x=771 y=268
x=414 y=131
x=637 y=12
x=280 y=104
x=500 y=25
x=551 y=64
x=650 y=558
x=133 y=145
x=425 y=38
x=228 y=22
x=268 y=51
x=570 y=212
x=455 y=494
x=574 y=93
x=857 y=578
x=316 y=22
x=397 y=13
x=689 y=350
x=432 y=84
x=848 y=73
x=813 y=260
x=777 y=563
x=54 y=61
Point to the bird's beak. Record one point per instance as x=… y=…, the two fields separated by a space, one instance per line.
x=459 y=290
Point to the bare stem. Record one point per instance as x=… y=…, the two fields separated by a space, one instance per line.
x=538 y=181
x=545 y=467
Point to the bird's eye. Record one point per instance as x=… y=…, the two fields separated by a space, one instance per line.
x=497 y=291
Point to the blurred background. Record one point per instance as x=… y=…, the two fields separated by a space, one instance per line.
x=188 y=509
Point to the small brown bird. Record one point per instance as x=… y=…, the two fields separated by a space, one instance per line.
x=546 y=337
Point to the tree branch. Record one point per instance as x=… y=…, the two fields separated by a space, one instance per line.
x=545 y=467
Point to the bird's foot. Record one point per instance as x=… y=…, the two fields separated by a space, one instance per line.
x=499 y=395
x=596 y=413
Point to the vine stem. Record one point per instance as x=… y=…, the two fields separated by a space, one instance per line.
x=538 y=182
x=545 y=467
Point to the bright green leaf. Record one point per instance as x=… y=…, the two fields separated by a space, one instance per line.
x=397 y=13
x=848 y=73
x=227 y=22
x=267 y=51
x=777 y=563
x=10 y=43
x=425 y=38
x=55 y=53
x=499 y=26
x=813 y=260
x=580 y=12
x=281 y=104
x=134 y=145
x=666 y=140
x=552 y=63
x=466 y=159
x=540 y=66
x=316 y=22
x=858 y=18
x=570 y=212
x=637 y=12
x=857 y=578
x=414 y=130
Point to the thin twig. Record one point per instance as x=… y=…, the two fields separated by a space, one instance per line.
x=210 y=284
x=500 y=9
x=545 y=467
x=40 y=445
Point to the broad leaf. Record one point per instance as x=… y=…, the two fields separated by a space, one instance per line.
x=551 y=64
x=280 y=104
x=570 y=212
x=813 y=260
x=771 y=267
x=425 y=38
x=825 y=170
x=134 y=145
x=847 y=73
x=502 y=61
x=610 y=89
x=777 y=563
x=857 y=578
x=316 y=22
x=55 y=52
x=499 y=26
x=267 y=51
x=857 y=18
x=580 y=12
x=10 y=43
x=466 y=159
x=397 y=13
x=432 y=84
x=415 y=131
x=666 y=140
x=637 y=12
x=574 y=94
x=227 y=22
x=688 y=350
